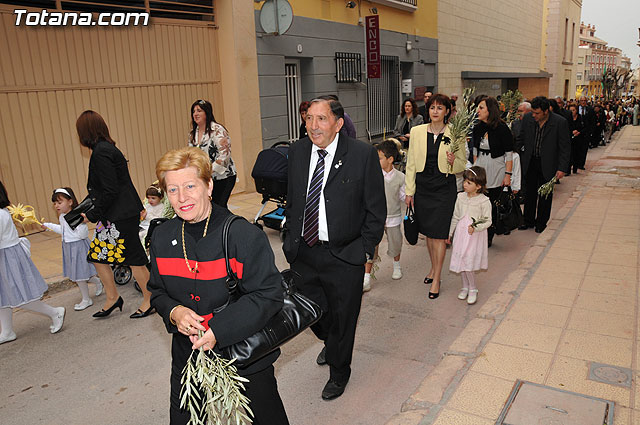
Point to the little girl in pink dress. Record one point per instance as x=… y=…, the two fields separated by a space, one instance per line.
x=471 y=218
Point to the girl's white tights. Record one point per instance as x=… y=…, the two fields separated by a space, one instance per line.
x=468 y=280
x=6 y=321
x=84 y=289
x=6 y=314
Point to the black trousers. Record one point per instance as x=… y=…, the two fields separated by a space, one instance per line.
x=222 y=190
x=337 y=288
x=262 y=391
x=579 y=150
x=537 y=209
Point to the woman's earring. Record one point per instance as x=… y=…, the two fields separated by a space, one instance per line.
x=210 y=198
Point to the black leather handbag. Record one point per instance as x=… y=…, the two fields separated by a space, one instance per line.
x=74 y=217
x=506 y=212
x=410 y=227
x=297 y=314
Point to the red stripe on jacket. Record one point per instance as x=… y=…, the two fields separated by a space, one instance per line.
x=207 y=270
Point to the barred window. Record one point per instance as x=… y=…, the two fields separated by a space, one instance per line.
x=348 y=67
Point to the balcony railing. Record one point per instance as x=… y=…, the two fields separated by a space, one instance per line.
x=408 y=5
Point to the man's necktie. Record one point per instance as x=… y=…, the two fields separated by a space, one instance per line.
x=312 y=207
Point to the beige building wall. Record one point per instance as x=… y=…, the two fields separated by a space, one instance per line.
x=490 y=36
x=142 y=80
x=562 y=41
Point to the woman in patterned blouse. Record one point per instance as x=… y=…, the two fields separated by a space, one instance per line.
x=214 y=140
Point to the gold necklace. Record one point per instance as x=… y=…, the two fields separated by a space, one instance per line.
x=184 y=248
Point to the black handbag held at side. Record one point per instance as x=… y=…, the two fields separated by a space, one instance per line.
x=297 y=314
x=506 y=212
x=410 y=227
x=74 y=217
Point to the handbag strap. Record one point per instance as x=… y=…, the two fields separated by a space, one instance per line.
x=232 y=278
x=409 y=211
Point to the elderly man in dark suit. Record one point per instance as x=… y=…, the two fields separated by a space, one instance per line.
x=546 y=152
x=335 y=217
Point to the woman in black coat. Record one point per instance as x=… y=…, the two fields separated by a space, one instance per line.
x=116 y=213
x=578 y=141
x=188 y=277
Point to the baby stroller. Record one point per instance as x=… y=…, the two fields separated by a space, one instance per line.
x=270 y=174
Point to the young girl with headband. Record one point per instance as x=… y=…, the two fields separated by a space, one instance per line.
x=75 y=245
x=21 y=284
x=469 y=224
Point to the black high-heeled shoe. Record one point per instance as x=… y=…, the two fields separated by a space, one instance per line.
x=139 y=313
x=428 y=280
x=434 y=295
x=105 y=313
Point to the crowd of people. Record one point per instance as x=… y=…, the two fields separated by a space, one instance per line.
x=344 y=195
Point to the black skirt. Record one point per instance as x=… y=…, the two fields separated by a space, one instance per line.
x=117 y=243
x=435 y=196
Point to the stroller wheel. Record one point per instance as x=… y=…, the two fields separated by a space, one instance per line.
x=258 y=225
x=122 y=274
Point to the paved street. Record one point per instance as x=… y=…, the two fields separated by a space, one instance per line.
x=116 y=370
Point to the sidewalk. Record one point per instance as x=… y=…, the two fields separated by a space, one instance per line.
x=46 y=249
x=573 y=300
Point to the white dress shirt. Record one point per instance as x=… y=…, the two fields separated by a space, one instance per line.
x=323 y=230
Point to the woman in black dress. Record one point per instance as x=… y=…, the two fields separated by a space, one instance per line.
x=578 y=141
x=430 y=183
x=116 y=213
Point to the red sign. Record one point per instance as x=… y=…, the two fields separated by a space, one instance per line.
x=372 y=37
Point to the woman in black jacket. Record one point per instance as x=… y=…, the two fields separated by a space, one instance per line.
x=578 y=140
x=493 y=150
x=116 y=214
x=188 y=277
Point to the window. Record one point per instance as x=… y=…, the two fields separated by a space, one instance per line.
x=566 y=30
x=579 y=60
x=579 y=76
x=348 y=67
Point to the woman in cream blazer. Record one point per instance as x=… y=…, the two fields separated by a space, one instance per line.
x=430 y=183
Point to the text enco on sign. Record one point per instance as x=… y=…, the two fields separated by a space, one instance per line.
x=372 y=30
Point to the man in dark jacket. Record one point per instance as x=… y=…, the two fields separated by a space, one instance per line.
x=335 y=217
x=422 y=110
x=546 y=153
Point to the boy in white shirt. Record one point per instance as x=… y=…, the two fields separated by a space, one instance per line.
x=388 y=152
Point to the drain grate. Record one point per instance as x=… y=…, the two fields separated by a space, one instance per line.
x=537 y=404
x=609 y=374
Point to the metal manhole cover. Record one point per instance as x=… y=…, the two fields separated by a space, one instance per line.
x=609 y=374
x=535 y=404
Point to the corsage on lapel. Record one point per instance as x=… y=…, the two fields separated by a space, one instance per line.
x=446 y=140
x=338 y=165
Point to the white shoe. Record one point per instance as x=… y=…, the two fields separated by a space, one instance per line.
x=8 y=338
x=58 y=320
x=83 y=304
x=397 y=272
x=366 y=283
x=99 y=288
x=462 y=295
x=473 y=296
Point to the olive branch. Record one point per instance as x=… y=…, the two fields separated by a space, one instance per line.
x=461 y=124
x=547 y=189
x=211 y=390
